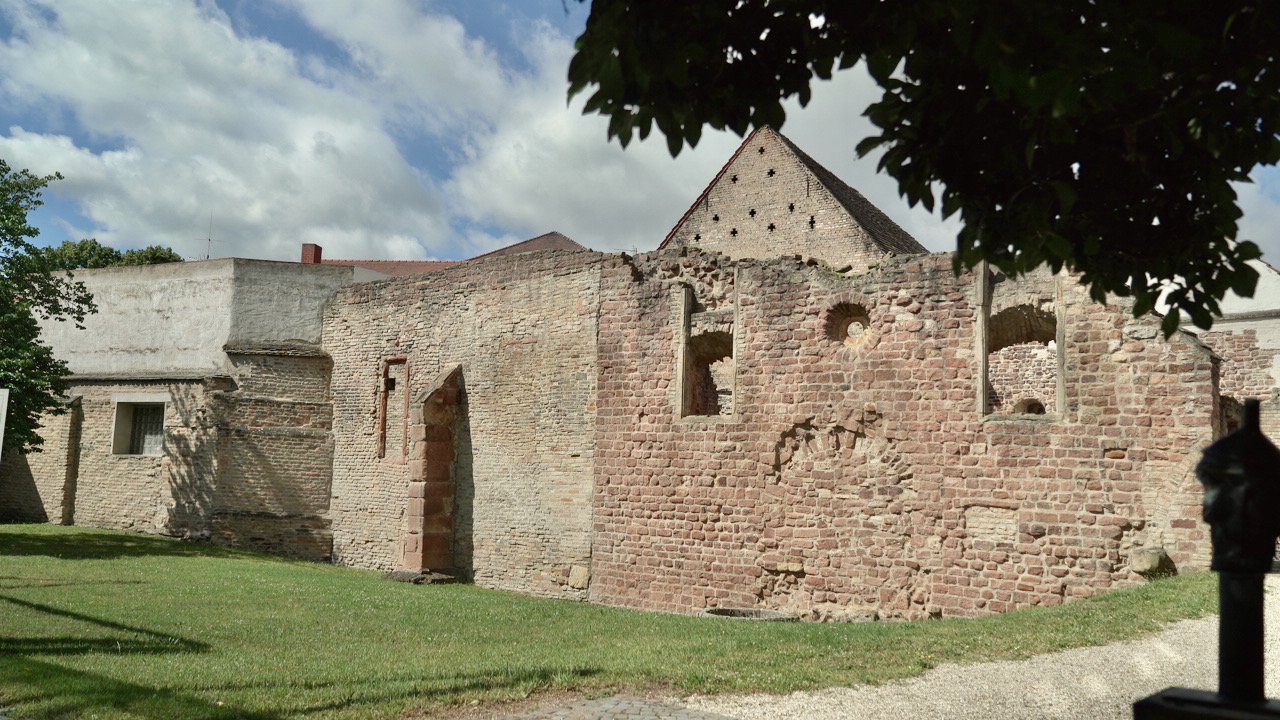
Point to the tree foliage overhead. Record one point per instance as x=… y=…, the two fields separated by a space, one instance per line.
x=1096 y=136
x=89 y=253
x=29 y=288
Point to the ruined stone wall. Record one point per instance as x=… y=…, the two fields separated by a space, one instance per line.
x=1022 y=373
x=858 y=475
x=1246 y=372
x=165 y=493
x=275 y=456
x=244 y=460
x=33 y=487
x=1246 y=367
x=523 y=328
x=769 y=203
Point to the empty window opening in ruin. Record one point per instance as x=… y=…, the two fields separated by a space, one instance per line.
x=752 y=212
x=733 y=232
x=1029 y=406
x=709 y=376
x=812 y=222
x=715 y=218
x=847 y=324
x=139 y=429
x=791 y=207
x=1230 y=415
x=772 y=172
x=1023 y=368
x=733 y=179
x=393 y=410
x=761 y=150
x=772 y=227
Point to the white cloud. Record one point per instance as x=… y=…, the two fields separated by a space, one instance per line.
x=183 y=119
x=545 y=166
x=209 y=123
x=1260 y=201
x=418 y=66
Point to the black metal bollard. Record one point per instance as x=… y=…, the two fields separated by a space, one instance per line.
x=1242 y=507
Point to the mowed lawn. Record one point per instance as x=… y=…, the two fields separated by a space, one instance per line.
x=99 y=624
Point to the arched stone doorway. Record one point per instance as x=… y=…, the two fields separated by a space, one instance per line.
x=435 y=418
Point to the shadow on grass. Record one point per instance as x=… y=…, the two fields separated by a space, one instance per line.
x=19 y=582
x=39 y=682
x=52 y=690
x=153 y=643
x=72 y=545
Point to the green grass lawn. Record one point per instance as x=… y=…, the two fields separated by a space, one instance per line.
x=99 y=624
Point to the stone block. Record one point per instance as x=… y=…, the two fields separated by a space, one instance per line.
x=579 y=577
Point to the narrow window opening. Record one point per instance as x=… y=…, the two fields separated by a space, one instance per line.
x=734 y=232
x=1022 y=360
x=771 y=227
x=1231 y=413
x=733 y=179
x=791 y=207
x=752 y=212
x=761 y=150
x=139 y=429
x=709 y=379
x=393 y=410
x=812 y=222
x=715 y=218
x=772 y=172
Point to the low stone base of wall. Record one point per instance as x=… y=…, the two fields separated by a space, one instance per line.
x=303 y=537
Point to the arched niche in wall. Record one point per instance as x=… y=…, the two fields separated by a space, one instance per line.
x=847 y=323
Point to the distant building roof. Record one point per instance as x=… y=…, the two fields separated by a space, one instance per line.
x=882 y=230
x=547 y=241
x=397 y=268
x=887 y=233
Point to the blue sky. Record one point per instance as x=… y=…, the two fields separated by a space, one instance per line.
x=376 y=128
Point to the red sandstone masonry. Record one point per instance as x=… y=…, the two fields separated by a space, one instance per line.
x=865 y=479
x=1246 y=369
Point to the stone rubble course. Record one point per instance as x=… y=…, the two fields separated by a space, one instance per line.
x=621 y=708
x=1094 y=682
x=1099 y=682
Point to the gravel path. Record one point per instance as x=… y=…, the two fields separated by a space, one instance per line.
x=1094 y=682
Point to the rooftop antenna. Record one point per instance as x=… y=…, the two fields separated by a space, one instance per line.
x=208 y=239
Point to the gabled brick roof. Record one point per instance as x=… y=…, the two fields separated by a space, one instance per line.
x=546 y=241
x=880 y=227
x=396 y=268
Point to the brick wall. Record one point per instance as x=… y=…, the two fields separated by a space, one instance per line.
x=166 y=493
x=860 y=476
x=275 y=456
x=1246 y=368
x=33 y=487
x=523 y=328
x=1020 y=373
x=245 y=460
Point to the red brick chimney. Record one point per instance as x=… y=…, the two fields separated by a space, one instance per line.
x=311 y=253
